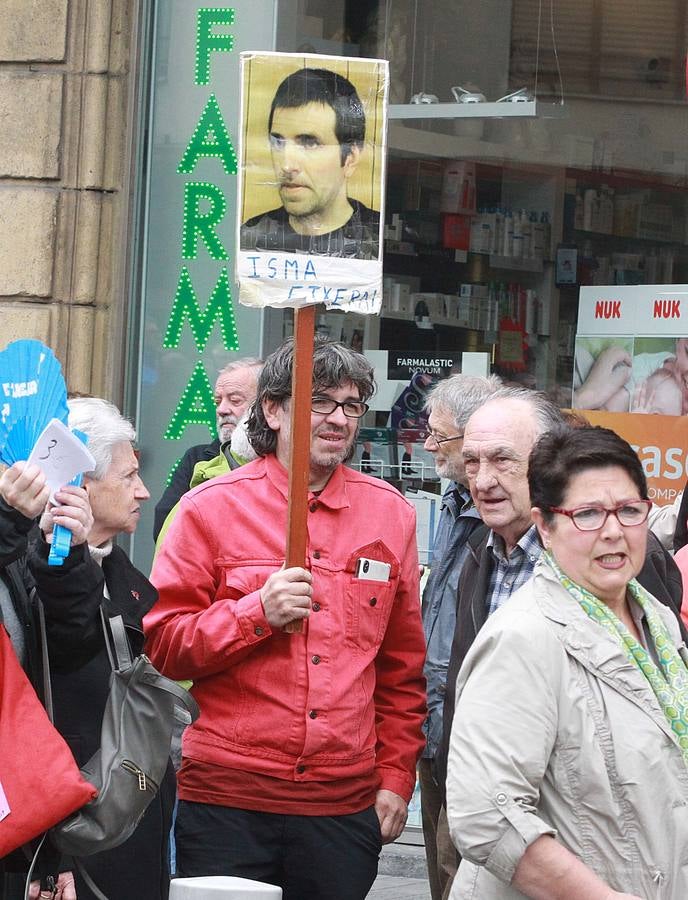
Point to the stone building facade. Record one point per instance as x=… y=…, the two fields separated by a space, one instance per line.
x=66 y=145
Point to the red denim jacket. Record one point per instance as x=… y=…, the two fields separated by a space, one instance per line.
x=344 y=700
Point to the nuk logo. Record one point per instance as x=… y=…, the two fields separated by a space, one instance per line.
x=608 y=309
x=667 y=309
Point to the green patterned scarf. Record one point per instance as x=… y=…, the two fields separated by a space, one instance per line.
x=669 y=681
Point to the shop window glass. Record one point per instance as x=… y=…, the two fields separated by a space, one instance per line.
x=497 y=219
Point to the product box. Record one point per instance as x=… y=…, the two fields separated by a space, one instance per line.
x=474 y=313
x=463 y=312
x=627 y=214
x=401 y=298
x=458 y=188
x=456 y=231
x=480 y=291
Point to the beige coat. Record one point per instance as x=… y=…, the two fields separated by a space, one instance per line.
x=556 y=732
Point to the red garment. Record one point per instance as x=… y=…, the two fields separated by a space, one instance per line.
x=346 y=699
x=681 y=560
x=203 y=782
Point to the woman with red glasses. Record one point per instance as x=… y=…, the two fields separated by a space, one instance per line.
x=568 y=764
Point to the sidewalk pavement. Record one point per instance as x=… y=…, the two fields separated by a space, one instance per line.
x=402 y=874
x=392 y=887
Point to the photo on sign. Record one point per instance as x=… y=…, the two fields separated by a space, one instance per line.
x=626 y=374
x=311 y=178
x=660 y=367
x=602 y=369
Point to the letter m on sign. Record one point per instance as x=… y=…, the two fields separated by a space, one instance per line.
x=187 y=308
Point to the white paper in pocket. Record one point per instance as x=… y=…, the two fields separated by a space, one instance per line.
x=4 y=805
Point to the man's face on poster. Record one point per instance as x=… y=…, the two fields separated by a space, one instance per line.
x=307 y=159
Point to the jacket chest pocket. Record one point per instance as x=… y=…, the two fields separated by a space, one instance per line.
x=369 y=602
x=239 y=580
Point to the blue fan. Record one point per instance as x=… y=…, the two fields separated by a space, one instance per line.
x=32 y=392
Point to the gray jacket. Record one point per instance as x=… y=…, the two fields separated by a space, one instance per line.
x=556 y=732
x=458 y=519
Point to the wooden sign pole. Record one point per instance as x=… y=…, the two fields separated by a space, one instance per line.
x=299 y=463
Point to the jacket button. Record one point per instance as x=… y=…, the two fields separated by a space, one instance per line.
x=300 y=769
x=373 y=601
x=315 y=660
x=313 y=714
x=258 y=630
x=316 y=554
x=313 y=506
x=501 y=799
x=316 y=607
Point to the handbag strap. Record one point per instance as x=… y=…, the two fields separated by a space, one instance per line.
x=45 y=659
x=116 y=641
x=185 y=701
x=116 y=644
x=47 y=686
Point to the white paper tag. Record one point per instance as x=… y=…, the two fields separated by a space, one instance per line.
x=4 y=805
x=61 y=455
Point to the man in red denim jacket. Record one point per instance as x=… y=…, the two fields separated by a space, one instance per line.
x=303 y=759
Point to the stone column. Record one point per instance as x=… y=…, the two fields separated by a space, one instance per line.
x=65 y=141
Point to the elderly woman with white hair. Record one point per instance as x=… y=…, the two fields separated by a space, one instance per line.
x=139 y=867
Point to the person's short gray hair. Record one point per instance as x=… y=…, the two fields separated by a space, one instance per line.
x=460 y=395
x=547 y=413
x=104 y=426
x=248 y=362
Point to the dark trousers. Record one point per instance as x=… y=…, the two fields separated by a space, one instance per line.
x=440 y=853
x=309 y=857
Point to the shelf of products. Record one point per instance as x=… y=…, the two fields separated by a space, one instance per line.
x=468 y=259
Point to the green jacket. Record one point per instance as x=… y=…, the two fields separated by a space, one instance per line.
x=203 y=471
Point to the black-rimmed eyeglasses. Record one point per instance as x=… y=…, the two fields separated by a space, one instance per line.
x=352 y=409
x=592 y=518
x=438 y=441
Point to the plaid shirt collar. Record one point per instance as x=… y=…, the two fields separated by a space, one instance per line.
x=529 y=544
x=509 y=573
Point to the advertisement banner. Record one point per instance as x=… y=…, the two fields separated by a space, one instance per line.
x=401 y=366
x=640 y=309
x=631 y=352
x=661 y=442
x=311 y=181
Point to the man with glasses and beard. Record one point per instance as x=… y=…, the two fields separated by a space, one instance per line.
x=235 y=391
x=303 y=760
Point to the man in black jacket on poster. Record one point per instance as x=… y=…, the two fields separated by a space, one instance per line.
x=317 y=128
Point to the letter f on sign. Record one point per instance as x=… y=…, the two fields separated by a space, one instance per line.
x=207 y=42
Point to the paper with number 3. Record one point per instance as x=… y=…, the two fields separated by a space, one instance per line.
x=61 y=455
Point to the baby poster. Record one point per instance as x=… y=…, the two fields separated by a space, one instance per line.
x=631 y=351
